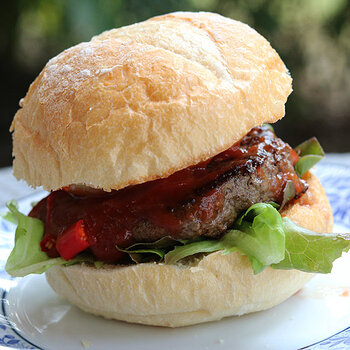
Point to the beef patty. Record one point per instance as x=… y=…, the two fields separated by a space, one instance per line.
x=202 y=200
x=259 y=176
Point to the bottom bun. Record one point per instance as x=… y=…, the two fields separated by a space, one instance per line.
x=217 y=286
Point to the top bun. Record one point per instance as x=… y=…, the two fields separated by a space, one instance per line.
x=143 y=101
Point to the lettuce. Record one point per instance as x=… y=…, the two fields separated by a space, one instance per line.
x=270 y=127
x=310 y=152
x=154 y=251
x=261 y=235
x=26 y=256
x=289 y=193
x=193 y=248
x=309 y=251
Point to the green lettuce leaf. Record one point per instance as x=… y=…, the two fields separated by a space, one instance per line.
x=270 y=127
x=310 y=152
x=155 y=251
x=288 y=193
x=259 y=234
x=26 y=256
x=9 y=216
x=309 y=251
x=190 y=249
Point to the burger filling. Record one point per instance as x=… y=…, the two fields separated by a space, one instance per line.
x=200 y=201
x=228 y=203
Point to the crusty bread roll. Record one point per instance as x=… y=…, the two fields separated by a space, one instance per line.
x=180 y=295
x=143 y=101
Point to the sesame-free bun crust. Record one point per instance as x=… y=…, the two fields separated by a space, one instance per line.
x=143 y=101
x=181 y=295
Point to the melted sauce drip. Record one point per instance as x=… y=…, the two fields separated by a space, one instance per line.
x=110 y=217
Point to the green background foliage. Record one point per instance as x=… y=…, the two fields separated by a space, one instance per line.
x=311 y=36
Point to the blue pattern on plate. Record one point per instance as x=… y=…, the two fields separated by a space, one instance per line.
x=338 y=341
x=9 y=339
x=336 y=181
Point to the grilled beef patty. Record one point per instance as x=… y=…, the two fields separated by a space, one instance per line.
x=260 y=176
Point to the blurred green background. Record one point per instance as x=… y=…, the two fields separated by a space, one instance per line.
x=311 y=36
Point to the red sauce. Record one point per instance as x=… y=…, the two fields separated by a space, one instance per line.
x=109 y=217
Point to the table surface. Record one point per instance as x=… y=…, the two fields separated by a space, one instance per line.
x=11 y=188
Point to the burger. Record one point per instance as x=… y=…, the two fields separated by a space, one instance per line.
x=172 y=201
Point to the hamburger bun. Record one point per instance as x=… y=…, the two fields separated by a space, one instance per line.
x=209 y=289
x=143 y=101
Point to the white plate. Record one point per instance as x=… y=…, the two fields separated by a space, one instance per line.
x=32 y=316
